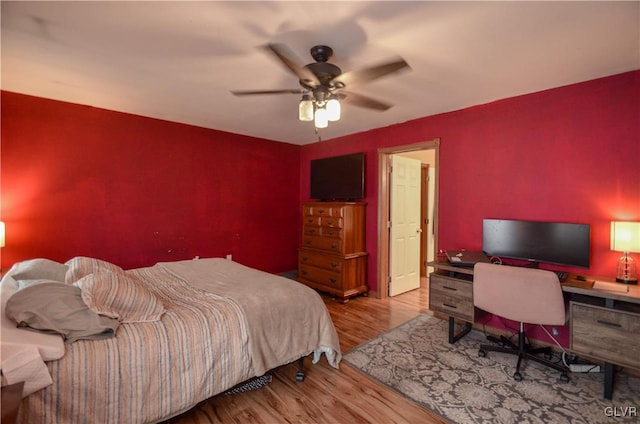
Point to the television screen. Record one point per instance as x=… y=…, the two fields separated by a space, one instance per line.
x=338 y=177
x=549 y=242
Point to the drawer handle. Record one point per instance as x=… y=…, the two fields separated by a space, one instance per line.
x=450 y=306
x=329 y=222
x=320 y=210
x=450 y=288
x=608 y=324
x=307 y=241
x=334 y=245
x=311 y=231
x=304 y=272
x=334 y=264
x=333 y=280
x=304 y=259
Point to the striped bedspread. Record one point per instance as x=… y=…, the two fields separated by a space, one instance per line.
x=149 y=371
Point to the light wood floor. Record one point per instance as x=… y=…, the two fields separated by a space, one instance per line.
x=328 y=395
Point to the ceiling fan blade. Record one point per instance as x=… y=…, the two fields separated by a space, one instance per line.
x=363 y=101
x=252 y=92
x=361 y=76
x=294 y=64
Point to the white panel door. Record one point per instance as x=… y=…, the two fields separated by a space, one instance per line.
x=404 y=261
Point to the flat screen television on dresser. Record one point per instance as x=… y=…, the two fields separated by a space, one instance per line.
x=559 y=243
x=338 y=178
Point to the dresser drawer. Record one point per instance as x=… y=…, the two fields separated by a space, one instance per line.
x=329 y=244
x=608 y=334
x=320 y=276
x=321 y=209
x=331 y=232
x=331 y=221
x=333 y=211
x=328 y=262
x=311 y=230
x=311 y=220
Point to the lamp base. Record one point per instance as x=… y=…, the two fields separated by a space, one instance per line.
x=627 y=272
x=627 y=281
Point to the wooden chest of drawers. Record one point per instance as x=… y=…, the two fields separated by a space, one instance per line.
x=332 y=257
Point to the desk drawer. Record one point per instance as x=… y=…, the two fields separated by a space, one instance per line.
x=451 y=286
x=451 y=305
x=608 y=334
x=451 y=296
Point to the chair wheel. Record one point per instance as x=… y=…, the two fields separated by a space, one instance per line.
x=564 y=377
x=482 y=353
x=299 y=377
x=517 y=376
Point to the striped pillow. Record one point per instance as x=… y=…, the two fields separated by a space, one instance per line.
x=81 y=266
x=116 y=295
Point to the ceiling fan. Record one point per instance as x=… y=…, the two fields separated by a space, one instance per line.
x=323 y=84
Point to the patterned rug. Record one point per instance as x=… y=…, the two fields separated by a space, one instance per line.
x=416 y=360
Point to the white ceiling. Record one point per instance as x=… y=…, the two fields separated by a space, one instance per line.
x=178 y=61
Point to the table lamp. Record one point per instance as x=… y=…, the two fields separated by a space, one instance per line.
x=625 y=237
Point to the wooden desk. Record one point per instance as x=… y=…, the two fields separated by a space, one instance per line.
x=604 y=325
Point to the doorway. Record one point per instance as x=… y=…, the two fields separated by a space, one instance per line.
x=384 y=204
x=405 y=230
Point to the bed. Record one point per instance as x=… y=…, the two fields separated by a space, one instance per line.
x=152 y=342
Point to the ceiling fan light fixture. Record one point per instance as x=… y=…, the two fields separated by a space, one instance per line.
x=305 y=108
x=321 y=82
x=333 y=108
x=321 y=120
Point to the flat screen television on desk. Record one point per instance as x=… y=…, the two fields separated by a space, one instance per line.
x=338 y=178
x=558 y=243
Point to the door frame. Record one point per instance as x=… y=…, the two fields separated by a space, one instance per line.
x=424 y=211
x=384 y=191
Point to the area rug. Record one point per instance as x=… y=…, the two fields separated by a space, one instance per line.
x=416 y=360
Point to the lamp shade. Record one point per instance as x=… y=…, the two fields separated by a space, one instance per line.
x=1 y=234
x=333 y=109
x=321 y=120
x=625 y=236
x=305 y=108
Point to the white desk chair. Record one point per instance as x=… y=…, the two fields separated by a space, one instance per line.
x=525 y=295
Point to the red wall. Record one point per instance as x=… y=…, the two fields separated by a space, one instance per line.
x=133 y=190
x=78 y=180
x=568 y=154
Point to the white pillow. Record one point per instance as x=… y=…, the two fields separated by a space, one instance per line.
x=22 y=284
x=39 y=269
